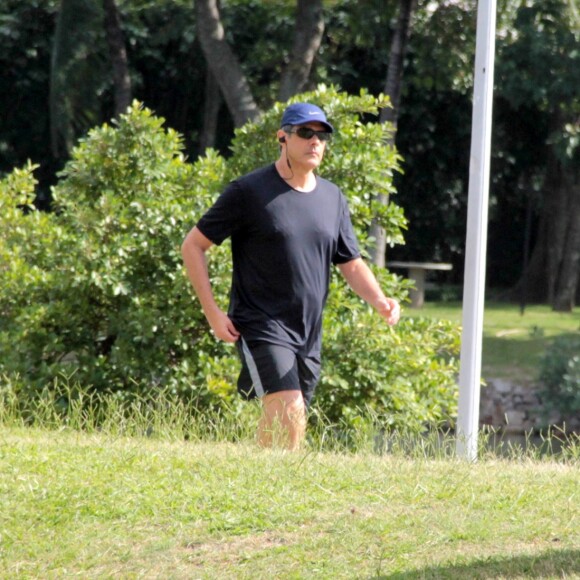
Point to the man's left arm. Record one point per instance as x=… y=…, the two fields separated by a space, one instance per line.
x=361 y=279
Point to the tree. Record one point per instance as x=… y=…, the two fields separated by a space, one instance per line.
x=390 y=114
x=212 y=104
x=118 y=55
x=539 y=74
x=223 y=63
x=79 y=68
x=433 y=135
x=76 y=72
x=228 y=71
x=168 y=73
x=26 y=31
x=308 y=33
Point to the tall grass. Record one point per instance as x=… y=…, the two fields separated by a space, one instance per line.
x=162 y=415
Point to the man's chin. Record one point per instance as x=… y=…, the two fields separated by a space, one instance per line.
x=313 y=161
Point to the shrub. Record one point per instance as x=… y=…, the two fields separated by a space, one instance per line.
x=560 y=376
x=96 y=289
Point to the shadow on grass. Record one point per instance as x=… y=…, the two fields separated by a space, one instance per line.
x=548 y=564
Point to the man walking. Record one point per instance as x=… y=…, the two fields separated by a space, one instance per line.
x=287 y=226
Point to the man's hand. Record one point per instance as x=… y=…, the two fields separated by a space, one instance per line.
x=390 y=310
x=361 y=279
x=223 y=328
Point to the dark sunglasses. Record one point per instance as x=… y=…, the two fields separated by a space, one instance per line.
x=307 y=133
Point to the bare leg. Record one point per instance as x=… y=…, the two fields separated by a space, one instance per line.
x=283 y=420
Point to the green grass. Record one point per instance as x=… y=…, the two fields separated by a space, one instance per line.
x=152 y=490
x=94 y=505
x=512 y=344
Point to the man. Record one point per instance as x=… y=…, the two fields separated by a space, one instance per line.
x=287 y=226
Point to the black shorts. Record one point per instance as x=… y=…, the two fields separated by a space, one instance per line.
x=270 y=368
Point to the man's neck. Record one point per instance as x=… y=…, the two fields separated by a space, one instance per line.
x=299 y=180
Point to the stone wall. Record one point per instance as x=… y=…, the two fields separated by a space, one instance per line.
x=517 y=408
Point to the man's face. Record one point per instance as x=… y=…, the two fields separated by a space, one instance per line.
x=306 y=152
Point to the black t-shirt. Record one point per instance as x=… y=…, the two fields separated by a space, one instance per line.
x=283 y=244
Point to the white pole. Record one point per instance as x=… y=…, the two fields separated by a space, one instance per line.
x=476 y=241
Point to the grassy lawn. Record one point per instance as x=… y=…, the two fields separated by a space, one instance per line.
x=512 y=344
x=103 y=506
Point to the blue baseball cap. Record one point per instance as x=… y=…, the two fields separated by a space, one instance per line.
x=300 y=113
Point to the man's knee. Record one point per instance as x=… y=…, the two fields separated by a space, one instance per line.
x=284 y=404
x=283 y=420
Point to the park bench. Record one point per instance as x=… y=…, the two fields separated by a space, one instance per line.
x=417 y=272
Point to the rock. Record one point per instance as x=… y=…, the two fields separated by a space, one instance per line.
x=515 y=421
x=501 y=385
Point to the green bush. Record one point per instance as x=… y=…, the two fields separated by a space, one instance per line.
x=96 y=289
x=560 y=376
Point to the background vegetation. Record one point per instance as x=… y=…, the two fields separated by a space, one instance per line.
x=534 y=194
x=540 y=347
x=95 y=292
x=106 y=467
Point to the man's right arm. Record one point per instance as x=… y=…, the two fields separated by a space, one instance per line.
x=193 y=251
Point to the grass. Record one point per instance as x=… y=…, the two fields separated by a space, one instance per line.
x=152 y=491
x=94 y=505
x=513 y=344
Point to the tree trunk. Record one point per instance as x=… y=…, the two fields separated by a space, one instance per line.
x=213 y=101
x=556 y=209
x=118 y=54
x=74 y=108
x=394 y=81
x=307 y=38
x=568 y=266
x=223 y=63
x=534 y=275
x=553 y=273
x=390 y=114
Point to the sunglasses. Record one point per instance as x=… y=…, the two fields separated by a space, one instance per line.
x=307 y=133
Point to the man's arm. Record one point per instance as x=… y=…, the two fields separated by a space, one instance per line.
x=193 y=251
x=361 y=279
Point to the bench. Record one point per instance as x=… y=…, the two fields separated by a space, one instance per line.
x=417 y=274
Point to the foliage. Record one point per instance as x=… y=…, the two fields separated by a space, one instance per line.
x=537 y=110
x=26 y=30
x=539 y=67
x=560 y=376
x=103 y=297
x=443 y=47
x=102 y=293
x=536 y=74
x=33 y=288
x=405 y=376
x=433 y=133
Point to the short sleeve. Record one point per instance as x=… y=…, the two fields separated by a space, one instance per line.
x=225 y=216
x=347 y=244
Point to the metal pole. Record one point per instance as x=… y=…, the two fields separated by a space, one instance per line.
x=475 y=253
